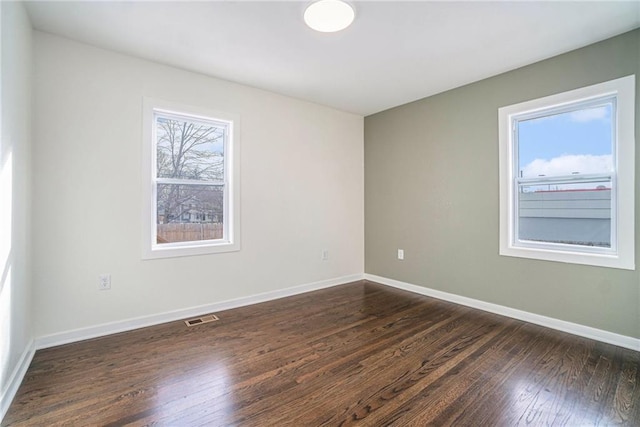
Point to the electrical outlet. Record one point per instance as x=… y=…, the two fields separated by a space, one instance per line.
x=325 y=255
x=400 y=253
x=104 y=282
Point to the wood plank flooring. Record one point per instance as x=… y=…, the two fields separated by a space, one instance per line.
x=360 y=353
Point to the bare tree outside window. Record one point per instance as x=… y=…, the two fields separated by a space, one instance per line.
x=190 y=166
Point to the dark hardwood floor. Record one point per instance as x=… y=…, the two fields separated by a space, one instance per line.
x=360 y=353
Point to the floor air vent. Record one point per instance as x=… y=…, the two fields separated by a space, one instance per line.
x=200 y=320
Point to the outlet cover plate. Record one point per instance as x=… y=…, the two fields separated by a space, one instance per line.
x=104 y=282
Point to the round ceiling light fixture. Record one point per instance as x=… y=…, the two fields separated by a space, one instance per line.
x=329 y=16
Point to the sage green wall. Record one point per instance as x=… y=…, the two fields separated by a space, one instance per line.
x=431 y=188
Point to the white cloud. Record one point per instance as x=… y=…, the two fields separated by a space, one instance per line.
x=568 y=164
x=588 y=115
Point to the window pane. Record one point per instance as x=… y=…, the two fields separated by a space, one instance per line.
x=189 y=213
x=576 y=214
x=570 y=143
x=189 y=149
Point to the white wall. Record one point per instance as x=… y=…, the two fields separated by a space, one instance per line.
x=15 y=211
x=301 y=190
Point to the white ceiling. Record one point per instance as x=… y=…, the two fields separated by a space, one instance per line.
x=395 y=52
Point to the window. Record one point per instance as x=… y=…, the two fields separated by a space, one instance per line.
x=191 y=176
x=567 y=176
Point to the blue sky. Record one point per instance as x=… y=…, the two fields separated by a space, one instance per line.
x=578 y=141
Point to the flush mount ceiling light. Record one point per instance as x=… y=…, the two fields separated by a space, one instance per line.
x=329 y=16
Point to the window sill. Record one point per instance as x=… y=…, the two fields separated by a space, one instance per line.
x=564 y=256
x=173 y=251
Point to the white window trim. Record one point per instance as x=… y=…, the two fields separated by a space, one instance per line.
x=623 y=256
x=150 y=249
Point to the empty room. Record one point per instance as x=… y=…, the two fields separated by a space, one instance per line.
x=306 y=213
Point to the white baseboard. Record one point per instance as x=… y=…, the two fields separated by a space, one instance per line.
x=549 y=322
x=155 y=319
x=16 y=378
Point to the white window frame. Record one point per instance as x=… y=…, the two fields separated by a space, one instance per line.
x=622 y=252
x=231 y=215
